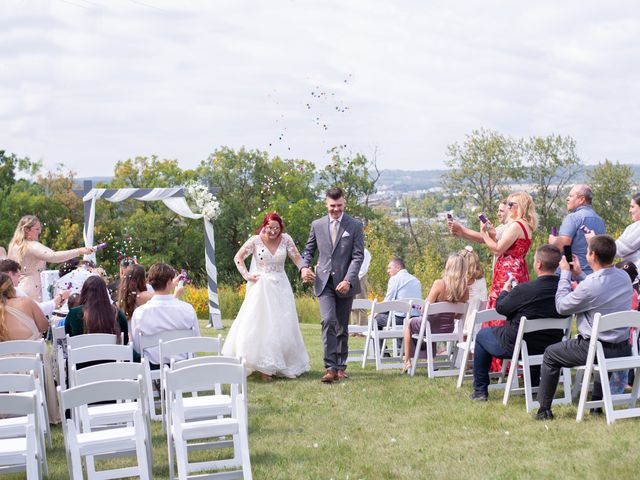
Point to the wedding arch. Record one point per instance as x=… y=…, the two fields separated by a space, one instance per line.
x=174 y=199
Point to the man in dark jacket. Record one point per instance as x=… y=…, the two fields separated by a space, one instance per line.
x=532 y=300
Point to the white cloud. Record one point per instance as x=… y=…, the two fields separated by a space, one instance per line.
x=90 y=82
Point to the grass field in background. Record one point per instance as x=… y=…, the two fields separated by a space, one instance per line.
x=385 y=425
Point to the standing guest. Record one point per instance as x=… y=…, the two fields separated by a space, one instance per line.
x=12 y=268
x=132 y=292
x=359 y=317
x=606 y=290
x=162 y=312
x=339 y=239
x=628 y=244
x=33 y=256
x=534 y=299
x=266 y=332
x=580 y=213
x=453 y=287
x=22 y=319
x=96 y=313
x=477 y=288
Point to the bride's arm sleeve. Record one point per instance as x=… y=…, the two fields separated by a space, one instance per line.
x=293 y=252
x=243 y=253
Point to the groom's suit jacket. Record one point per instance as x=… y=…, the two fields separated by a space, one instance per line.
x=341 y=262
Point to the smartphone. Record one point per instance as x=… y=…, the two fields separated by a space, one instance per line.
x=483 y=218
x=568 y=255
x=449 y=216
x=514 y=282
x=183 y=278
x=554 y=231
x=584 y=229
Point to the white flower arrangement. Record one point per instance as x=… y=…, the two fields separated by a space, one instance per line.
x=205 y=201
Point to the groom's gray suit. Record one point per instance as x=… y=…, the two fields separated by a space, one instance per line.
x=335 y=263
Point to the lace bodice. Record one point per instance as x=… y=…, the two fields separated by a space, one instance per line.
x=263 y=259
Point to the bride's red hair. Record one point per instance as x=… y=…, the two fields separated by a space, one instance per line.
x=271 y=217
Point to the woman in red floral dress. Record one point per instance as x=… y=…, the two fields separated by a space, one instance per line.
x=511 y=249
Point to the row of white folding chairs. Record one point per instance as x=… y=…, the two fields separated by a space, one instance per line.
x=22 y=445
x=22 y=356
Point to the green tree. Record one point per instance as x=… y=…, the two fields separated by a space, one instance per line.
x=552 y=163
x=482 y=167
x=611 y=186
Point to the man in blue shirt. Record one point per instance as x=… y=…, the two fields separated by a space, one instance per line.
x=606 y=290
x=401 y=285
x=580 y=213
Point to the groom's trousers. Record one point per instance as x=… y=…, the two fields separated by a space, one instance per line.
x=334 y=312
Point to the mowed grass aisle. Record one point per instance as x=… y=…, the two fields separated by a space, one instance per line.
x=384 y=425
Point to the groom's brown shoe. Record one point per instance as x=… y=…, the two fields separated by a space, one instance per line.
x=342 y=375
x=329 y=376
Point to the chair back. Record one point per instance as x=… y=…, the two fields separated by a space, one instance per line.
x=482 y=316
x=23 y=365
x=538 y=324
x=361 y=304
x=96 y=353
x=626 y=319
x=103 y=391
x=23 y=347
x=108 y=371
x=89 y=339
x=153 y=340
x=189 y=346
x=395 y=306
x=203 y=377
x=190 y=362
x=18 y=404
x=17 y=383
x=446 y=307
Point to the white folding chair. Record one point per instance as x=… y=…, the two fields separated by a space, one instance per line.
x=189 y=346
x=22 y=452
x=30 y=366
x=151 y=342
x=184 y=435
x=96 y=353
x=77 y=341
x=356 y=354
x=603 y=323
x=467 y=346
x=80 y=442
x=60 y=355
x=440 y=365
x=521 y=351
x=16 y=426
x=374 y=337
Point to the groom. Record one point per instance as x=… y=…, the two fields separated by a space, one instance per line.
x=340 y=243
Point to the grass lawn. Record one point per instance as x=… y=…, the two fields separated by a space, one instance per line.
x=384 y=425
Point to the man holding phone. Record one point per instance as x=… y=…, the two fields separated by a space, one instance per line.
x=580 y=213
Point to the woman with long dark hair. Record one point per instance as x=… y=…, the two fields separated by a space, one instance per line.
x=133 y=291
x=266 y=332
x=96 y=313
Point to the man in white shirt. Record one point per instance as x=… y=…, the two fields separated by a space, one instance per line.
x=401 y=285
x=163 y=312
x=12 y=268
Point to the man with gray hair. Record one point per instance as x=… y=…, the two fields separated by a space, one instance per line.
x=581 y=214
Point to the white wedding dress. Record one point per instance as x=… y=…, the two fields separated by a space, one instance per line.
x=266 y=332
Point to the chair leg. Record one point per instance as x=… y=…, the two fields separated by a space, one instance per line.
x=584 y=391
x=141 y=448
x=463 y=365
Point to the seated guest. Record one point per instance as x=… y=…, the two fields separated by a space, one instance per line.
x=21 y=318
x=606 y=290
x=132 y=291
x=96 y=313
x=534 y=299
x=162 y=312
x=12 y=268
x=74 y=278
x=401 y=285
x=125 y=263
x=453 y=287
x=478 y=287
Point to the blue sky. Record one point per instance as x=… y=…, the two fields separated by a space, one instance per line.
x=90 y=82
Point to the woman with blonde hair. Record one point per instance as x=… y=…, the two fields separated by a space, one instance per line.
x=453 y=287
x=477 y=285
x=25 y=249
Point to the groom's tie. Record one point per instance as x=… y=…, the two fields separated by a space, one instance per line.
x=334 y=232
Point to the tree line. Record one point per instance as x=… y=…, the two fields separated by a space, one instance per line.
x=483 y=168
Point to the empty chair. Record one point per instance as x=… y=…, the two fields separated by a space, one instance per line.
x=80 y=442
x=375 y=337
x=521 y=351
x=21 y=452
x=13 y=427
x=78 y=341
x=184 y=435
x=94 y=354
x=152 y=371
x=447 y=316
x=466 y=347
x=603 y=323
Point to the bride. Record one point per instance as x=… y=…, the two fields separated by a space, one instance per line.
x=266 y=332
